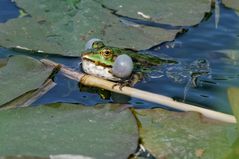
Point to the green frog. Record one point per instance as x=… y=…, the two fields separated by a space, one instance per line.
x=100 y=59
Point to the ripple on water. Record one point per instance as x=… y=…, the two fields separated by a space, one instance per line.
x=207 y=42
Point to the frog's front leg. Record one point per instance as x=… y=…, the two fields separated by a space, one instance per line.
x=135 y=78
x=131 y=81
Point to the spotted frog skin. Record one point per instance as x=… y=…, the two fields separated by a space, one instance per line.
x=99 y=60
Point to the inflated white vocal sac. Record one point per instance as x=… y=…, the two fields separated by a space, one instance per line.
x=89 y=43
x=123 y=66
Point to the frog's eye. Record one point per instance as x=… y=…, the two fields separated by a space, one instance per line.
x=107 y=53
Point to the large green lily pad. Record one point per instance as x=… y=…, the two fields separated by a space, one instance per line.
x=184 y=135
x=66 y=28
x=26 y=157
x=231 y=4
x=21 y=74
x=99 y=132
x=233 y=94
x=30 y=97
x=3 y=62
x=235 y=151
x=174 y=12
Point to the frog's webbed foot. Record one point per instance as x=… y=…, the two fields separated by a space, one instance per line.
x=134 y=78
x=122 y=83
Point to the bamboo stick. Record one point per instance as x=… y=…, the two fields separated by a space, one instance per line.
x=133 y=92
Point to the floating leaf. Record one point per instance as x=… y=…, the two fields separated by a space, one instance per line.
x=66 y=28
x=3 y=62
x=51 y=157
x=173 y=12
x=23 y=157
x=21 y=74
x=235 y=151
x=233 y=94
x=30 y=97
x=184 y=134
x=231 y=4
x=99 y=132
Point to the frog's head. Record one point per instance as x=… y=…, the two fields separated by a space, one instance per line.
x=104 y=56
x=105 y=62
x=99 y=62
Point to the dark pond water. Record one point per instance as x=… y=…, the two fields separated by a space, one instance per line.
x=204 y=41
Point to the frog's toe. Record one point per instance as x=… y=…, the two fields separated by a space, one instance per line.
x=135 y=78
x=121 y=84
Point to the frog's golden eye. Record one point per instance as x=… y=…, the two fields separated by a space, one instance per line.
x=107 y=53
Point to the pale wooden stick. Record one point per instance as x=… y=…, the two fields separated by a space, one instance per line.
x=156 y=98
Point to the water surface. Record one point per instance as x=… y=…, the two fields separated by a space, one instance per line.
x=206 y=41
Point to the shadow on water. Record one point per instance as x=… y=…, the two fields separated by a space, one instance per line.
x=202 y=42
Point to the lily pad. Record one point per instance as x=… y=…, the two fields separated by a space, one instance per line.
x=99 y=132
x=23 y=157
x=30 y=97
x=231 y=4
x=21 y=74
x=233 y=94
x=3 y=61
x=66 y=28
x=173 y=12
x=235 y=151
x=184 y=134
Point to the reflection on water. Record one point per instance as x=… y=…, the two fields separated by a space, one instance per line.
x=208 y=59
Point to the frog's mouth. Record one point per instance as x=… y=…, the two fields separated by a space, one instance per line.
x=98 y=63
x=86 y=57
